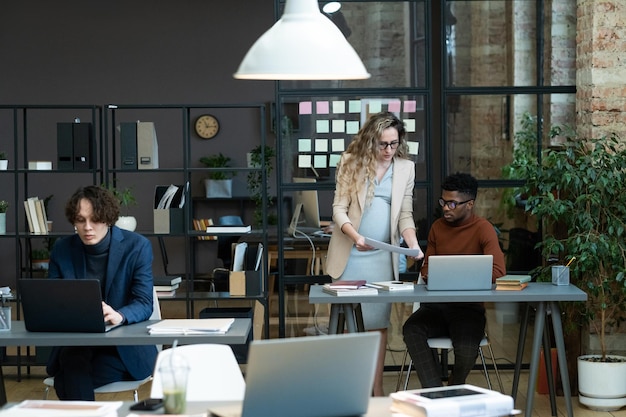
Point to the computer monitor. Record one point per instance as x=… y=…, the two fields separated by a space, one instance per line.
x=309 y=219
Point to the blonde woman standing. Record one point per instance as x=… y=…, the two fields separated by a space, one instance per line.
x=373 y=198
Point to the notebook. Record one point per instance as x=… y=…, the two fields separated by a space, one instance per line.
x=62 y=305
x=311 y=376
x=459 y=272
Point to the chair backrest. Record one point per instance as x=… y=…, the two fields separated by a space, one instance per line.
x=214 y=373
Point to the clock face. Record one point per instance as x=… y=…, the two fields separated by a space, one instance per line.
x=207 y=126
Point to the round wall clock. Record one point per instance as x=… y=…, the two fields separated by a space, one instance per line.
x=207 y=126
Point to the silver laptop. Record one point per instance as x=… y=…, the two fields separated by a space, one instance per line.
x=62 y=305
x=459 y=272
x=312 y=376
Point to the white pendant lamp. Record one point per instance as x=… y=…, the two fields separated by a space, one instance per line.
x=303 y=45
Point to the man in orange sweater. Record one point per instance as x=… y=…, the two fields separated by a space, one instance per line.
x=458 y=232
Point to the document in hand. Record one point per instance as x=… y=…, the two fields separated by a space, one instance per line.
x=452 y=401
x=49 y=408
x=191 y=326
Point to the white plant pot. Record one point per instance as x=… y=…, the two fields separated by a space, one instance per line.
x=40 y=264
x=3 y=223
x=127 y=223
x=218 y=188
x=4 y=164
x=602 y=385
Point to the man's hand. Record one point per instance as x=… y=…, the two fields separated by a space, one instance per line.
x=110 y=314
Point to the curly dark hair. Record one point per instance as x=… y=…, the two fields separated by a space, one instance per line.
x=106 y=207
x=461 y=182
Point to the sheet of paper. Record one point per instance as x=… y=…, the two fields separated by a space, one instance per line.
x=391 y=248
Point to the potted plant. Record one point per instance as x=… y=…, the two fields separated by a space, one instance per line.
x=579 y=192
x=126 y=198
x=219 y=183
x=4 y=162
x=4 y=205
x=256 y=159
x=39 y=259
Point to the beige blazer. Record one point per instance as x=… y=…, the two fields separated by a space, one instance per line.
x=349 y=209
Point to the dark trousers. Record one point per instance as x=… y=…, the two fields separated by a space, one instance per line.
x=463 y=323
x=83 y=368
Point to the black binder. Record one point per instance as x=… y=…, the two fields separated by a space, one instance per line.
x=128 y=145
x=65 y=146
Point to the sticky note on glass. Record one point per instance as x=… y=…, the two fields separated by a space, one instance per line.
x=304 y=161
x=305 y=107
x=376 y=106
x=352 y=127
x=414 y=148
x=337 y=145
x=319 y=161
x=339 y=107
x=322 y=126
x=354 y=106
x=321 y=145
x=333 y=160
x=409 y=124
x=304 y=145
x=394 y=106
x=339 y=126
x=409 y=106
x=321 y=107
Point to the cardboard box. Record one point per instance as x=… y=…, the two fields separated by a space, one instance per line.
x=244 y=283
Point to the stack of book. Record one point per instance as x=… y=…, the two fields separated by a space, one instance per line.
x=393 y=285
x=452 y=401
x=36 y=216
x=349 y=288
x=166 y=286
x=512 y=282
x=201 y=226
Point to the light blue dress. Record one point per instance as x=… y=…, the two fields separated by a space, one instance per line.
x=374 y=265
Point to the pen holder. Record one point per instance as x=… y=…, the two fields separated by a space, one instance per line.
x=560 y=275
x=5 y=318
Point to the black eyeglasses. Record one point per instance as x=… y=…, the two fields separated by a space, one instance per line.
x=393 y=145
x=452 y=204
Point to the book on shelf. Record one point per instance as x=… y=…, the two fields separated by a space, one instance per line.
x=163 y=288
x=166 y=294
x=229 y=229
x=512 y=282
x=452 y=401
x=347 y=284
x=346 y=292
x=201 y=225
x=393 y=285
x=36 y=215
x=167 y=280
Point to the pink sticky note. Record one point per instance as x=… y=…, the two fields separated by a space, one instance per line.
x=394 y=106
x=409 y=106
x=322 y=107
x=306 y=107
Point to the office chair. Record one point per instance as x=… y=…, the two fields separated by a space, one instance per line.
x=445 y=345
x=119 y=386
x=214 y=375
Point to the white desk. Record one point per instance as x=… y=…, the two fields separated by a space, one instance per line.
x=378 y=407
x=545 y=295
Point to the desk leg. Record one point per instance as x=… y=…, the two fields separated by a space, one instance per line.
x=333 y=321
x=540 y=319
x=358 y=313
x=560 y=349
x=521 y=342
x=348 y=311
x=547 y=357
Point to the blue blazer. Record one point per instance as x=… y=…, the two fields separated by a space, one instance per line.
x=128 y=287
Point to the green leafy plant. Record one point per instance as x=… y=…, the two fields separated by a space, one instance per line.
x=4 y=205
x=40 y=254
x=3 y=155
x=255 y=180
x=218 y=161
x=124 y=196
x=579 y=192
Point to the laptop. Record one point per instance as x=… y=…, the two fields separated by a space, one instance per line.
x=62 y=305
x=459 y=272
x=311 y=376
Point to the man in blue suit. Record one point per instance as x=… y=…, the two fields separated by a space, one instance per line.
x=122 y=262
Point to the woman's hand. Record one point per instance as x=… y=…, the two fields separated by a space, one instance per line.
x=361 y=245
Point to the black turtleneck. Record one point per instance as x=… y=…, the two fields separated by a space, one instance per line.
x=96 y=258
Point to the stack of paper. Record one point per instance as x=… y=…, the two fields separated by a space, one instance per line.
x=63 y=409
x=393 y=285
x=349 y=288
x=191 y=326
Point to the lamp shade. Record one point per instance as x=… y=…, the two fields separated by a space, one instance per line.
x=303 y=45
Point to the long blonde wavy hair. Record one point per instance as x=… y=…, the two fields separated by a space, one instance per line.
x=359 y=170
